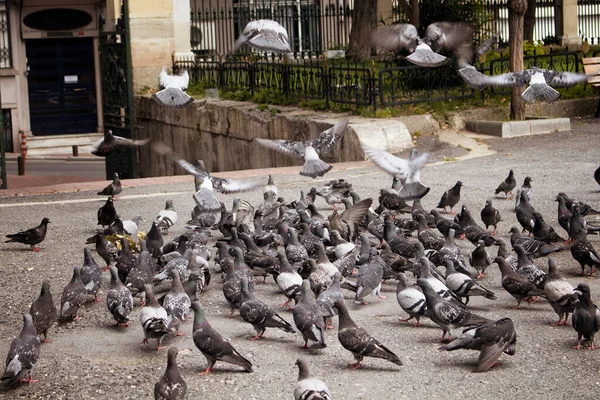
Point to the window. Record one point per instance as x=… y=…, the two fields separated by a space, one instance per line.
x=5 y=45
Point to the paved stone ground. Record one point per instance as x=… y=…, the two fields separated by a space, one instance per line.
x=91 y=359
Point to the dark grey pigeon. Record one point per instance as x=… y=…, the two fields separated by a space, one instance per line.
x=448 y=314
x=426 y=235
x=310 y=150
x=308 y=387
x=577 y=222
x=544 y=232
x=177 y=303
x=118 y=299
x=213 y=345
x=450 y=251
x=171 y=385
x=105 y=249
x=369 y=278
x=73 y=297
x=154 y=240
x=472 y=231
x=491 y=339
x=586 y=317
x=358 y=341
x=31 y=236
x=480 y=259
x=444 y=225
x=524 y=192
x=328 y=298
x=584 y=253
x=532 y=246
x=464 y=286
x=113 y=189
x=43 y=311
x=308 y=318
x=517 y=285
x=295 y=252
x=259 y=314
x=107 y=214
x=490 y=216
x=525 y=214
x=559 y=293
x=411 y=299
x=126 y=260
x=91 y=274
x=22 y=356
x=597 y=175
x=142 y=272
x=109 y=142
x=507 y=185
x=451 y=197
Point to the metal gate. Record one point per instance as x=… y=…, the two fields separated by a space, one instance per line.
x=117 y=92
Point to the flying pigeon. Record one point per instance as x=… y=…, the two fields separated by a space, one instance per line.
x=171 y=385
x=22 y=356
x=407 y=172
x=31 y=236
x=154 y=319
x=264 y=35
x=424 y=51
x=308 y=318
x=167 y=217
x=172 y=89
x=586 y=317
x=213 y=345
x=310 y=150
x=491 y=339
x=308 y=387
x=507 y=185
x=43 y=311
x=113 y=189
x=450 y=197
x=118 y=299
x=73 y=296
x=109 y=142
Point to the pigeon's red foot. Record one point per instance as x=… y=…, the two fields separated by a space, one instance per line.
x=578 y=346
x=592 y=347
x=159 y=348
x=30 y=380
x=179 y=334
x=35 y=250
x=406 y=319
x=382 y=297
x=257 y=337
x=97 y=299
x=286 y=305
x=416 y=324
x=355 y=366
x=481 y=275
x=305 y=346
x=145 y=341
x=123 y=324
x=206 y=371
x=77 y=318
x=46 y=341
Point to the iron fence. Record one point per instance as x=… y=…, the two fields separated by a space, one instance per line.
x=588 y=14
x=5 y=43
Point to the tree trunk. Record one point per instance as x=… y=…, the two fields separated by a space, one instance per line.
x=516 y=14
x=529 y=21
x=363 y=22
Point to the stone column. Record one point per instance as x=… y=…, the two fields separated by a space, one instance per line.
x=181 y=29
x=384 y=11
x=567 y=30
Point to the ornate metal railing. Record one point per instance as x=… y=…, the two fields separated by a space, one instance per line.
x=5 y=43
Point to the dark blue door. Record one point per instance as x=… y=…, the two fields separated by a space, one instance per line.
x=62 y=86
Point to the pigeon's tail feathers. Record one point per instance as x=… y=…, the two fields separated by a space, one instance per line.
x=315 y=168
x=425 y=57
x=206 y=200
x=553 y=249
x=462 y=342
x=172 y=97
x=413 y=191
x=544 y=92
x=277 y=322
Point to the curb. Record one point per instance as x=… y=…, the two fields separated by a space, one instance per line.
x=57 y=158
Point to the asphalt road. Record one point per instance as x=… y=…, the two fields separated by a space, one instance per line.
x=92 y=359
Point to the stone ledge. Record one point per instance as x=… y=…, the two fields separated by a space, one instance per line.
x=509 y=129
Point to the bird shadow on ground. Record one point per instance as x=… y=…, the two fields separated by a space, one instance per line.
x=397 y=323
x=219 y=369
x=263 y=339
x=468 y=365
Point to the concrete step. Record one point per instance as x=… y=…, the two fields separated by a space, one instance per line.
x=61 y=144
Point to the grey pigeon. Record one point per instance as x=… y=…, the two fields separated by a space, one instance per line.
x=171 y=385
x=480 y=259
x=586 y=317
x=309 y=387
x=490 y=216
x=167 y=217
x=472 y=231
x=118 y=299
x=577 y=222
x=525 y=189
x=105 y=146
x=288 y=280
x=126 y=260
x=517 y=285
x=584 y=253
x=411 y=299
x=358 y=341
x=329 y=297
x=31 y=236
x=448 y=314
x=450 y=251
x=465 y=286
x=91 y=274
x=177 y=303
x=544 y=232
x=369 y=278
x=113 y=189
x=107 y=214
x=105 y=249
x=491 y=339
x=154 y=319
x=270 y=191
x=295 y=251
x=451 y=197
x=308 y=318
x=310 y=150
x=406 y=171
x=260 y=315
x=264 y=35
x=154 y=240
x=444 y=225
x=172 y=89
x=73 y=297
x=22 y=356
x=43 y=311
x=532 y=246
x=335 y=191
x=507 y=185
x=213 y=345
x=559 y=293
x=142 y=272
x=528 y=269
x=426 y=235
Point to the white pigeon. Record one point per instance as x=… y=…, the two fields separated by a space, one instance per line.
x=172 y=89
x=424 y=51
x=264 y=35
x=154 y=319
x=309 y=150
x=309 y=387
x=167 y=217
x=406 y=171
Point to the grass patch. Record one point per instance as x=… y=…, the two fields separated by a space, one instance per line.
x=450 y=159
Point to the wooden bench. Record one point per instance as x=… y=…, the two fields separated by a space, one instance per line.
x=591 y=67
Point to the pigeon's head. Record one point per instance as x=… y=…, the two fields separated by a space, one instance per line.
x=45 y=287
x=488 y=203
x=528 y=180
x=582 y=290
x=45 y=221
x=513 y=230
x=511 y=172
x=480 y=243
x=459 y=183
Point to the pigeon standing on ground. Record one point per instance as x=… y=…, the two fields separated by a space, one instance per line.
x=31 y=236
x=308 y=387
x=525 y=188
x=480 y=259
x=264 y=35
x=369 y=278
x=406 y=171
x=559 y=293
x=43 y=311
x=109 y=142
x=22 y=356
x=213 y=345
x=171 y=385
x=329 y=297
x=308 y=318
x=177 y=303
x=154 y=319
x=465 y=286
x=91 y=274
x=105 y=249
x=490 y=216
x=586 y=317
x=543 y=231
x=167 y=217
x=584 y=253
x=118 y=299
x=515 y=284
x=107 y=214
x=288 y=280
x=73 y=296
x=411 y=299
x=507 y=185
x=172 y=89
x=113 y=189
x=491 y=339
x=451 y=197
x=154 y=240
x=310 y=150
x=358 y=341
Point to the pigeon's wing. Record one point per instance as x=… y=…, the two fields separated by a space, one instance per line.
x=327 y=139
x=564 y=79
x=449 y=36
x=232 y=185
x=192 y=169
x=288 y=147
x=477 y=80
x=265 y=35
x=495 y=337
x=395 y=166
x=172 y=97
x=395 y=37
x=121 y=141
x=96 y=145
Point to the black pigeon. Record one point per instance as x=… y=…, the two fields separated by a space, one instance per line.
x=491 y=339
x=31 y=236
x=526 y=189
x=126 y=260
x=480 y=259
x=586 y=317
x=490 y=216
x=358 y=341
x=22 y=356
x=171 y=385
x=559 y=293
x=91 y=274
x=310 y=150
x=113 y=189
x=508 y=185
x=473 y=232
x=597 y=175
x=577 y=223
x=43 y=311
x=584 y=253
x=118 y=299
x=213 y=345
x=517 y=285
x=532 y=246
x=391 y=201
x=308 y=318
x=73 y=296
x=107 y=214
x=544 y=232
x=110 y=142
x=451 y=197
x=525 y=213
x=584 y=209
x=444 y=225
x=564 y=214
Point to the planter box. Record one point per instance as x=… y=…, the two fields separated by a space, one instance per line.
x=519 y=128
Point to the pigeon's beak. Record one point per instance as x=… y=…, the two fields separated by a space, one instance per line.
x=577 y=292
